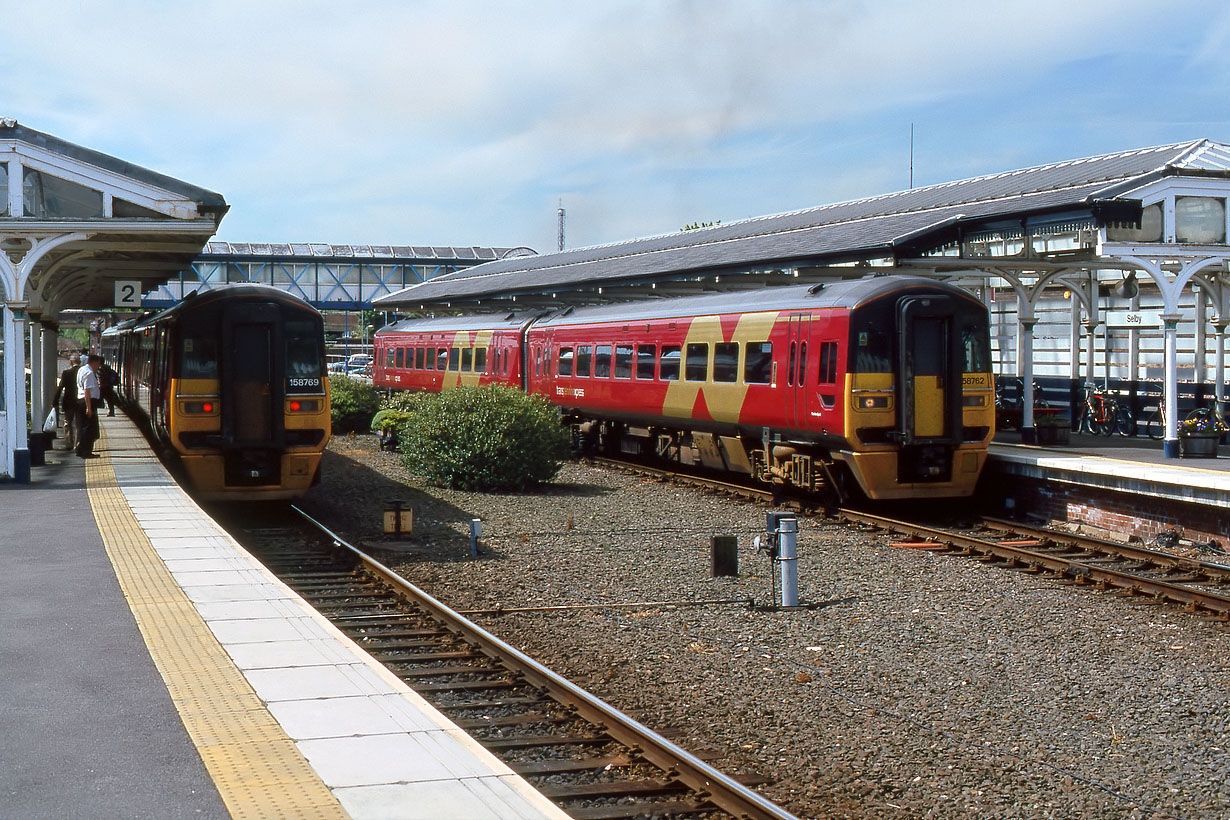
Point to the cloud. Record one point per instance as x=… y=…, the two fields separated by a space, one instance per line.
x=464 y=122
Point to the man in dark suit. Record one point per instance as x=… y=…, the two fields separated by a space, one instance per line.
x=66 y=398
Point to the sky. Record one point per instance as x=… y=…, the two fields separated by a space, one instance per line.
x=462 y=122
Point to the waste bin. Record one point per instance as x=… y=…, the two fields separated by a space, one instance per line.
x=38 y=448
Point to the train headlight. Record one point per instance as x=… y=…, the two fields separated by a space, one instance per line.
x=977 y=400
x=874 y=402
x=304 y=405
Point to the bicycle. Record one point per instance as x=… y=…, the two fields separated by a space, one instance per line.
x=1155 y=422
x=1098 y=413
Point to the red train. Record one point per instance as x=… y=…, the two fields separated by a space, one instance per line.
x=882 y=384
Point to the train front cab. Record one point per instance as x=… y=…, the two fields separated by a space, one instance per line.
x=921 y=410
x=255 y=425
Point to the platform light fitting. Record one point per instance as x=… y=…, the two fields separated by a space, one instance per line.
x=1129 y=287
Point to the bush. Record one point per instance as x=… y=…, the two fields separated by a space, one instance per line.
x=353 y=403
x=483 y=438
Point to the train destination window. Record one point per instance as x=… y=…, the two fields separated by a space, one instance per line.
x=454 y=358
x=975 y=341
x=441 y=358
x=758 y=364
x=645 y=354
x=828 y=362
x=602 y=362
x=668 y=363
x=623 y=361
x=388 y=357
x=480 y=360
x=726 y=362
x=418 y=358
x=565 y=361
x=696 y=365
x=303 y=353
x=467 y=360
x=401 y=357
x=583 y=360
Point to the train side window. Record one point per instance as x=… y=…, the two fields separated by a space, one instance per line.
x=538 y=361
x=726 y=362
x=602 y=362
x=645 y=355
x=401 y=357
x=758 y=363
x=583 y=360
x=467 y=360
x=668 y=363
x=623 y=361
x=441 y=358
x=696 y=365
x=506 y=370
x=565 y=361
x=388 y=357
x=790 y=363
x=480 y=360
x=418 y=359
x=454 y=359
x=828 y=362
x=802 y=363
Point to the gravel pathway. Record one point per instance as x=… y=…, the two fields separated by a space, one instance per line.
x=933 y=687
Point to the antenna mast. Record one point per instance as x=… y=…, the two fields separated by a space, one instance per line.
x=911 y=155
x=561 y=224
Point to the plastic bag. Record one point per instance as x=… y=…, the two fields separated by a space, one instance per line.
x=53 y=421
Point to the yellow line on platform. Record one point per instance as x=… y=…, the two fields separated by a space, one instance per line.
x=256 y=768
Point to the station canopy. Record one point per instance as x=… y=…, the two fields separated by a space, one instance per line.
x=1046 y=215
x=73 y=221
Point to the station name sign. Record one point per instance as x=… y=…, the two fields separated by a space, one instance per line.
x=1133 y=318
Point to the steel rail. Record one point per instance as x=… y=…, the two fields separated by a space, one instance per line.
x=724 y=792
x=1192 y=598
x=1132 y=551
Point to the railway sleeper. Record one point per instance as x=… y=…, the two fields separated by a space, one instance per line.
x=460 y=686
x=631 y=811
x=613 y=788
x=404 y=658
x=589 y=764
x=406 y=669
x=496 y=703
x=539 y=741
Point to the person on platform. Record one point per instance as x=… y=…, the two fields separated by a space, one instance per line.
x=89 y=402
x=66 y=399
x=107 y=380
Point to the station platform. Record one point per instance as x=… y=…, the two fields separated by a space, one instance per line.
x=1126 y=485
x=153 y=668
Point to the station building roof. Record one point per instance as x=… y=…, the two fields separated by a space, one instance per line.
x=73 y=221
x=906 y=224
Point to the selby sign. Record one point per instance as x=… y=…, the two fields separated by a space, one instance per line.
x=1133 y=318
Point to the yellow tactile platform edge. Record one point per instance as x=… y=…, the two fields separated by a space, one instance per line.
x=256 y=768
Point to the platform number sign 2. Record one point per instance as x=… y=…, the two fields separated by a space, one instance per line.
x=128 y=294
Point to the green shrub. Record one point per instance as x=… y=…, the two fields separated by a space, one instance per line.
x=353 y=403
x=483 y=438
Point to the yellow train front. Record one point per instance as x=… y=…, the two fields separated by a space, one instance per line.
x=233 y=380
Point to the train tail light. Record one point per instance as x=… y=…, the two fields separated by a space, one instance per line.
x=200 y=407
x=974 y=401
x=304 y=405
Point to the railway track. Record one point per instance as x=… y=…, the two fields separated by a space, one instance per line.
x=1195 y=585
x=1198 y=586
x=595 y=762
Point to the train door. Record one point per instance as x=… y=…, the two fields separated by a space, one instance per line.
x=798 y=399
x=252 y=386
x=928 y=352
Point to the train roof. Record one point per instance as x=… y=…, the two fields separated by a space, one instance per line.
x=200 y=299
x=509 y=321
x=845 y=294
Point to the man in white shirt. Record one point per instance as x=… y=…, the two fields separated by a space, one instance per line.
x=88 y=399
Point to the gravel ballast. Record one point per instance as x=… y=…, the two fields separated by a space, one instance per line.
x=931 y=687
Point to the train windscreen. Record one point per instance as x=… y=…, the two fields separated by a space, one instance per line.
x=304 y=366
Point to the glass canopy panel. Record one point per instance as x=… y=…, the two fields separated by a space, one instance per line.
x=50 y=197
x=1200 y=220
x=1150 y=229
x=124 y=209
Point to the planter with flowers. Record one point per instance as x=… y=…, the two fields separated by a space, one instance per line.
x=1200 y=433
x=1052 y=427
